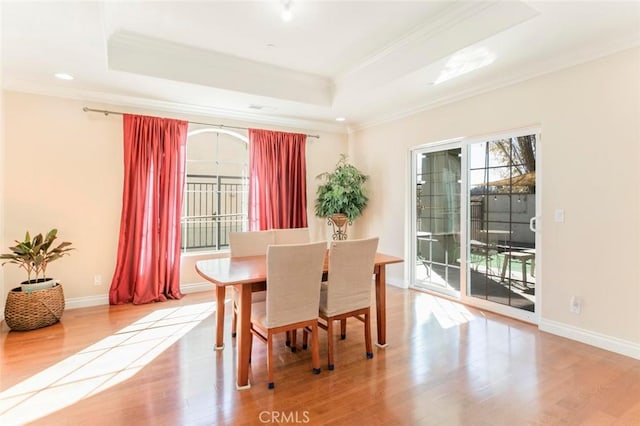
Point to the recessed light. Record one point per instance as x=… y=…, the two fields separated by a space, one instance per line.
x=63 y=76
x=340 y=119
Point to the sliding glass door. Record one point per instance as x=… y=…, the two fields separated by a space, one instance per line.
x=502 y=208
x=474 y=210
x=437 y=219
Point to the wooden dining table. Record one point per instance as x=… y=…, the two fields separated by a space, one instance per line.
x=249 y=274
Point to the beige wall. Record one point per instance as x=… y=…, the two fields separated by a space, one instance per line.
x=63 y=169
x=590 y=120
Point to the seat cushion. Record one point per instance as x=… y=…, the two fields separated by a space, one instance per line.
x=325 y=309
x=259 y=314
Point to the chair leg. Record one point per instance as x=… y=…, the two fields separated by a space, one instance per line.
x=329 y=344
x=315 y=350
x=250 y=346
x=367 y=334
x=234 y=320
x=343 y=329
x=270 y=383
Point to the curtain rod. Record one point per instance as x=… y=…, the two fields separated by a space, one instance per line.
x=221 y=126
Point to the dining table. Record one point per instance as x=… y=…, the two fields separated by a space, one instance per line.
x=249 y=274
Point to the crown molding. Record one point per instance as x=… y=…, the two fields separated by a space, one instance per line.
x=309 y=125
x=304 y=125
x=543 y=68
x=451 y=16
x=456 y=28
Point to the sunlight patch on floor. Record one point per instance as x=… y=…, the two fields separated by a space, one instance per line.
x=446 y=312
x=431 y=277
x=102 y=365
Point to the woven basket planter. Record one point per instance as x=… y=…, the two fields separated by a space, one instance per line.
x=37 y=309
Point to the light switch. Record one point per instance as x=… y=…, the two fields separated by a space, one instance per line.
x=559 y=216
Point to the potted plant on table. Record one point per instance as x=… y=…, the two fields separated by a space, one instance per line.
x=341 y=197
x=39 y=301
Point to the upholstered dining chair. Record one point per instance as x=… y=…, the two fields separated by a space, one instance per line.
x=294 y=274
x=244 y=244
x=347 y=291
x=292 y=236
x=255 y=243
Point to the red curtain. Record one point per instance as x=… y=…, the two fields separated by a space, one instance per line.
x=148 y=263
x=277 y=180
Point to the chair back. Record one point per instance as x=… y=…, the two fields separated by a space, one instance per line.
x=292 y=236
x=253 y=243
x=294 y=274
x=349 y=281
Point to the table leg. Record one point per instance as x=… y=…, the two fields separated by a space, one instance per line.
x=220 y=295
x=244 y=336
x=381 y=308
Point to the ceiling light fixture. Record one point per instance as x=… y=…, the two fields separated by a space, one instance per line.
x=464 y=61
x=63 y=76
x=286 y=11
x=340 y=119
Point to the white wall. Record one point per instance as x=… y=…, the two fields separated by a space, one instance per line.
x=590 y=120
x=63 y=168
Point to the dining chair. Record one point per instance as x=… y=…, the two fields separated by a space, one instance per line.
x=244 y=244
x=294 y=274
x=292 y=236
x=250 y=243
x=347 y=291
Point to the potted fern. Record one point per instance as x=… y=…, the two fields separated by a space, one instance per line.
x=341 y=197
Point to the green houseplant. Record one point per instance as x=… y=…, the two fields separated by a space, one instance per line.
x=34 y=255
x=25 y=308
x=341 y=197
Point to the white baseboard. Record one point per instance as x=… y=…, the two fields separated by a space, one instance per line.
x=86 y=301
x=397 y=283
x=103 y=299
x=197 y=287
x=613 y=344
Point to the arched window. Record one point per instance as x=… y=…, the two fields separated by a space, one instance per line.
x=216 y=188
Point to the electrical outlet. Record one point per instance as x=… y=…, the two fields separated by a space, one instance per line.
x=575 y=305
x=558 y=216
x=97 y=280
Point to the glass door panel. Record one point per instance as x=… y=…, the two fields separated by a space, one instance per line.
x=501 y=249
x=437 y=203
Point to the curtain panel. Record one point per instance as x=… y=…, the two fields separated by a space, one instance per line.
x=148 y=261
x=277 y=180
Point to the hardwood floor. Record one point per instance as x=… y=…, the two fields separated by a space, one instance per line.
x=446 y=364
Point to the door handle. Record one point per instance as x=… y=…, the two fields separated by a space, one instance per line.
x=533 y=224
